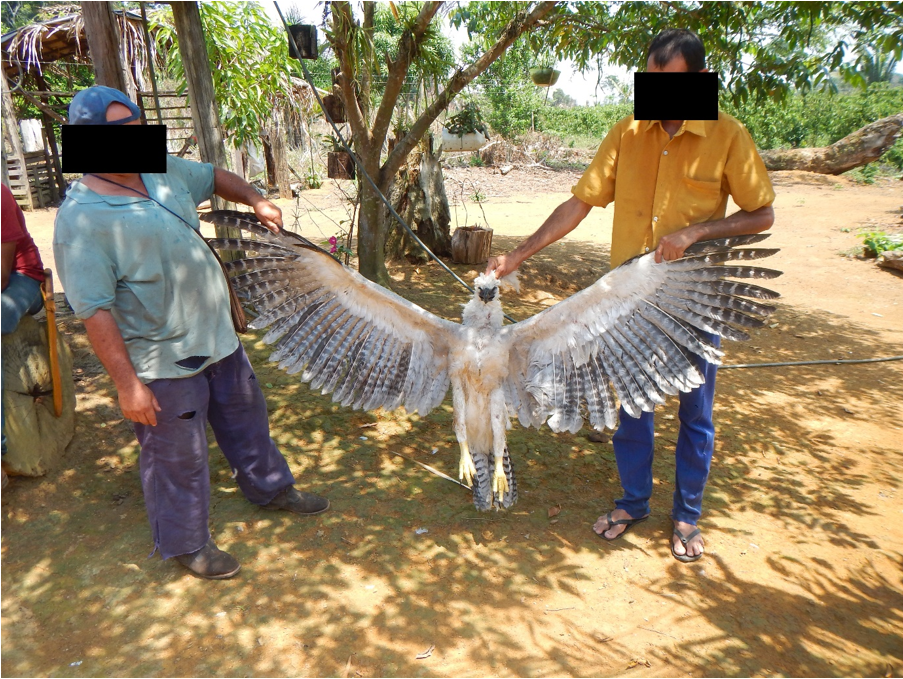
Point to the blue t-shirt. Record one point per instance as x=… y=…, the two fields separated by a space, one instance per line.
x=162 y=284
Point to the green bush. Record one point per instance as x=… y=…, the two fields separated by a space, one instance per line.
x=581 y=120
x=877 y=242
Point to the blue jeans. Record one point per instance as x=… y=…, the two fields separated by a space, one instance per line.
x=22 y=296
x=174 y=473
x=634 y=441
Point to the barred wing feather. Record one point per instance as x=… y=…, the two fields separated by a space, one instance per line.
x=633 y=334
x=345 y=335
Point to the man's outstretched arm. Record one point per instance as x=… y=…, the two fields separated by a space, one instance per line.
x=740 y=223
x=230 y=186
x=560 y=223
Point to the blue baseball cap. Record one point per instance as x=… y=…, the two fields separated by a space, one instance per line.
x=89 y=106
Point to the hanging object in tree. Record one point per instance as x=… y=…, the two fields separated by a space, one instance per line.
x=339 y=165
x=305 y=37
x=334 y=106
x=544 y=76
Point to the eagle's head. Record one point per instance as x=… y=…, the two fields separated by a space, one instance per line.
x=486 y=288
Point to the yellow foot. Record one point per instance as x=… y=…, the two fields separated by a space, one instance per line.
x=466 y=468
x=499 y=481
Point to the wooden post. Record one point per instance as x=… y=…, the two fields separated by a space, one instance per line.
x=280 y=155
x=50 y=134
x=204 y=114
x=103 y=42
x=11 y=131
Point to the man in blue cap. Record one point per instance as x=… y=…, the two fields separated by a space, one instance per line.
x=155 y=305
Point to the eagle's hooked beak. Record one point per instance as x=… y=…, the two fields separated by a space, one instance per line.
x=487 y=294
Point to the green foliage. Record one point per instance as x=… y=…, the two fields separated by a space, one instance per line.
x=313 y=179
x=761 y=49
x=466 y=121
x=510 y=96
x=18 y=14
x=581 y=120
x=876 y=242
x=248 y=58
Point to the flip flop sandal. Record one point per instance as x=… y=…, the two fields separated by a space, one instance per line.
x=685 y=540
x=620 y=522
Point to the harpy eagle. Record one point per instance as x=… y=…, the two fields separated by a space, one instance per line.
x=630 y=334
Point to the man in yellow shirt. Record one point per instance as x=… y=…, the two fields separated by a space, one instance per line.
x=669 y=181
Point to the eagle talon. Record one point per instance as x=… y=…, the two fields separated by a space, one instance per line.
x=466 y=468
x=499 y=480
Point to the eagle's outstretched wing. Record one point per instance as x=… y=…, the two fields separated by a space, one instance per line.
x=364 y=344
x=634 y=330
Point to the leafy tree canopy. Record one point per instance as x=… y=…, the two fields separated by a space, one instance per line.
x=759 y=48
x=249 y=63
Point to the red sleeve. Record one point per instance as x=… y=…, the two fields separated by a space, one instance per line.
x=11 y=216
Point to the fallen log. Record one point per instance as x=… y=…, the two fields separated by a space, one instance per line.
x=859 y=148
x=891 y=260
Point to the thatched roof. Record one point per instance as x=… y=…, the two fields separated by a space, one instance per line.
x=32 y=48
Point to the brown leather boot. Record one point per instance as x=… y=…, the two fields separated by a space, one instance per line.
x=293 y=500
x=210 y=562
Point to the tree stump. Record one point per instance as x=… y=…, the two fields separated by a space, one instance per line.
x=36 y=438
x=471 y=244
x=418 y=194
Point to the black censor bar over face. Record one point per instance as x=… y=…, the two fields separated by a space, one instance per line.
x=675 y=96
x=114 y=148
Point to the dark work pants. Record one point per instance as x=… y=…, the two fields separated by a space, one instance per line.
x=635 y=438
x=174 y=471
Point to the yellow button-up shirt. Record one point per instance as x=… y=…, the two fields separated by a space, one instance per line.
x=660 y=185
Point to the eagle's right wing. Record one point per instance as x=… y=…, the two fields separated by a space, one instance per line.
x=347 y=336
x=633 y=333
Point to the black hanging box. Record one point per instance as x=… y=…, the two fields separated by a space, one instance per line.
x=305 y=36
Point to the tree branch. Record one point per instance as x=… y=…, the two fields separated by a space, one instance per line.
x=341 y=14
x=523 y=22
x=408 y=46
x=367 y=73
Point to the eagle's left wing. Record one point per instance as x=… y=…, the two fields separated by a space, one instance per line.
x=347 y=336
x=633 y=332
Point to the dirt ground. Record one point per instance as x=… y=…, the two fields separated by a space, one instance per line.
x=803 y=517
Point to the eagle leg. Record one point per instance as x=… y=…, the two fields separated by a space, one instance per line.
x=504 y=486
x=466 y=468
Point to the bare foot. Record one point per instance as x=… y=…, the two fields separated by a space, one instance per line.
x=602 y=528
x=696 y=545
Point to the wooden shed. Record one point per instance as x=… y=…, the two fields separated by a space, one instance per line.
x=60 y=46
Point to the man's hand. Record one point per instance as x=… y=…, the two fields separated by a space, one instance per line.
x=138 y=403
x=269 y=214
x=232 y=187
x=672 y=246
x=502 y=265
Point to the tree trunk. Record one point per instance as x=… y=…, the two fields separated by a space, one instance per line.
x=418 y=195
x=103 y=43
x=859 y=148
x=371 y=237
x=204 y=113
x=280 y=156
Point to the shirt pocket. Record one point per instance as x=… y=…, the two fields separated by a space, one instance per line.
x=701 y=200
